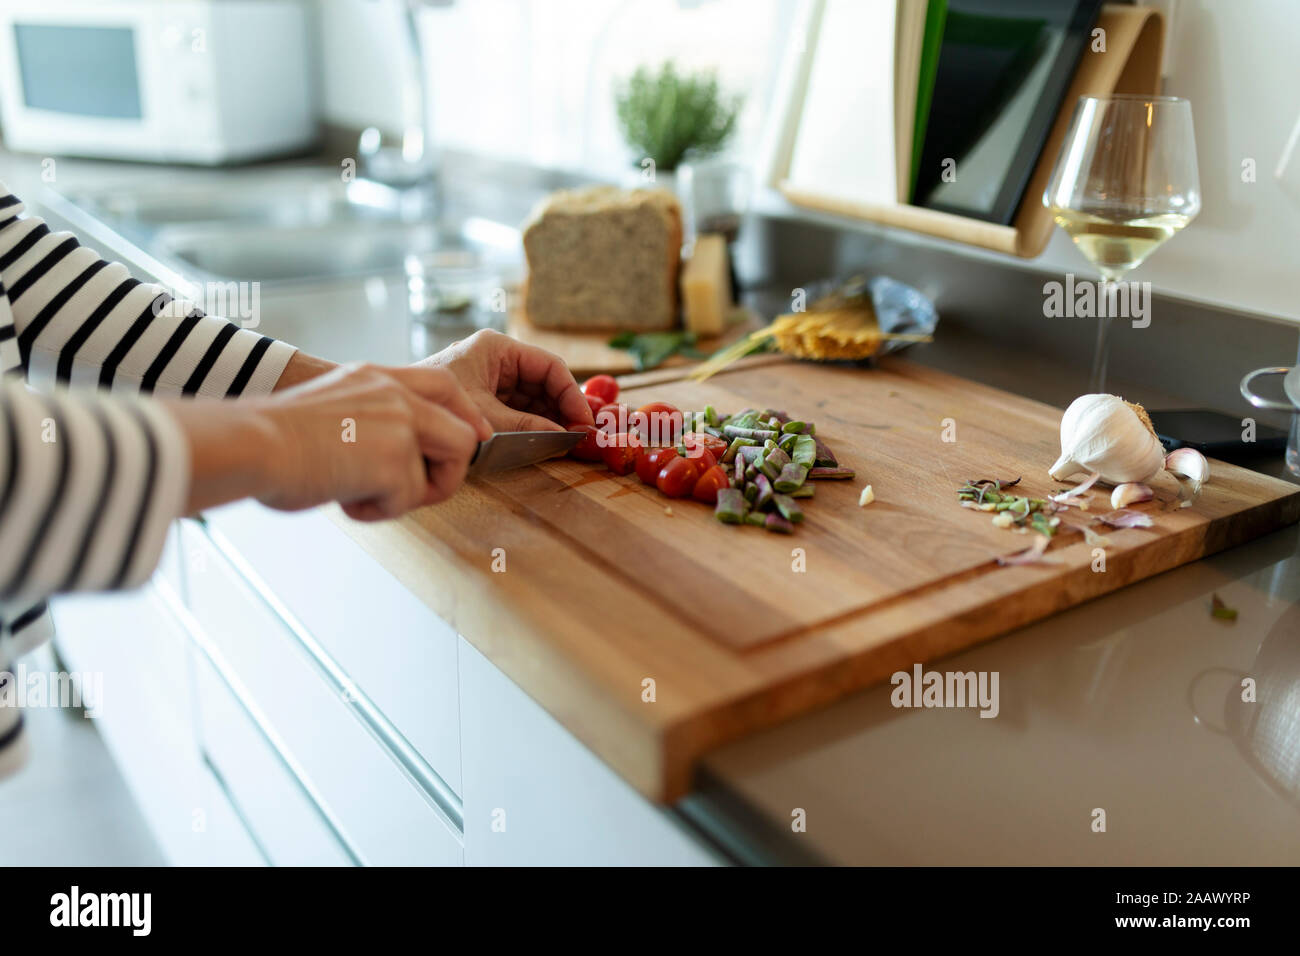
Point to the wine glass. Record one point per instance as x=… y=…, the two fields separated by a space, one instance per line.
x=1125 y=182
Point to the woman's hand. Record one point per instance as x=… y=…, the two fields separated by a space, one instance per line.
x=379 y=441
x=517 y=387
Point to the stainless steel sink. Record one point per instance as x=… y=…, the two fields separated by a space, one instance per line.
x=275 y=253
x=279 y=199
x=289 y=226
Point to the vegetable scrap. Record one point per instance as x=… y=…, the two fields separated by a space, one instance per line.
x=1043 y=516
x=1220 y=610
x=1031 y=555
x=1125 y=518
x=1009 y=510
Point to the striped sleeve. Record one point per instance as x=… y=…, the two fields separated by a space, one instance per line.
x=82 y=320
x=88 y=486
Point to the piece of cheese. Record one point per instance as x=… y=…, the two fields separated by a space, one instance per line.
x=604 y=258
x=706 y=287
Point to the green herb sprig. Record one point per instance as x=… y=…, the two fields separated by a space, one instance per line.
x=988 y=494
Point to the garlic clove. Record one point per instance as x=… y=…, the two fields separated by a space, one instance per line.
x=1129 y=493
x=1189 y=463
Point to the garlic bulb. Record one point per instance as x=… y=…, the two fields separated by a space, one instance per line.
x=1105 y=435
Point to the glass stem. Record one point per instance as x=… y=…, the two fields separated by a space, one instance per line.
x=1101 y=352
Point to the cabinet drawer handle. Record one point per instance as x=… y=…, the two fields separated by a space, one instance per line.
x=414 y=767
x=226 y=674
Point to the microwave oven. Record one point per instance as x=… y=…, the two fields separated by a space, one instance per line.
x=188 y=81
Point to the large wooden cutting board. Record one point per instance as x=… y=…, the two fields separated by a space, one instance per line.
x=654 y=636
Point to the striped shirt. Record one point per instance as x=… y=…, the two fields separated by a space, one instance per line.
x=90 y=482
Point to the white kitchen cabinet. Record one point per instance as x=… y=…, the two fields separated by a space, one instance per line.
x=381 y=814
x=245 y=740
x=140 y=654
x=274 y=802
x=534 y=795
x=390 y=644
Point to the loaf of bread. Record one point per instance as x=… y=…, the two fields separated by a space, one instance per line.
x=604 y=258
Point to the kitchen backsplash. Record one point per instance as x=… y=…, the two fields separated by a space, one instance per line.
x=532 y=81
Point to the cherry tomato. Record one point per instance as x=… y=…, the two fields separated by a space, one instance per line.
x=658 y=423
x=709 y=484
x=587 y=449
x=651 y=460
x=697 y=441
x=621 y=457
x=594 y=403
x=602 y=386
x=612 y=418
x=677 y=478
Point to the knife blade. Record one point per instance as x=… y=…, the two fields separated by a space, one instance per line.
x=506 y=450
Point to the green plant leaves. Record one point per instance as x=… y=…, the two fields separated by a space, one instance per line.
x=671 y=116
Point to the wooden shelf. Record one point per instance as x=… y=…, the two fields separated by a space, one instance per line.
x=1130 y=64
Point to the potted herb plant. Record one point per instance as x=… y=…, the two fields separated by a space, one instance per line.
x=668 y=116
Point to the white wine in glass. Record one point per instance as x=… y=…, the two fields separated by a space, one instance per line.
x=1126 y=181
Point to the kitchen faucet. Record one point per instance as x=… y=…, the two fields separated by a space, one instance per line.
x=402 y=176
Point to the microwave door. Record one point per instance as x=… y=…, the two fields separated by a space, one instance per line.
x=79 y=71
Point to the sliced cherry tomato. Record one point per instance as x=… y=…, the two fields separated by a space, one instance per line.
x=678 y=477
x=696 y=441
x=602 y=386
x=709 y=484
x=651 y=460
x=658 y=423
x=621 y=457
x=702 y=459
x=587 y=449
x=594 y=403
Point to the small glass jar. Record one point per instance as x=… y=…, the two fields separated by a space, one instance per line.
x=1291 y=388
x=459 y=287
x=715 y=194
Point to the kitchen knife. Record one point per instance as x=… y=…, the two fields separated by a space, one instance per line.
x=506 y=450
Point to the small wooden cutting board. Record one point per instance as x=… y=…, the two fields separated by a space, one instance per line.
x=589 y=353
